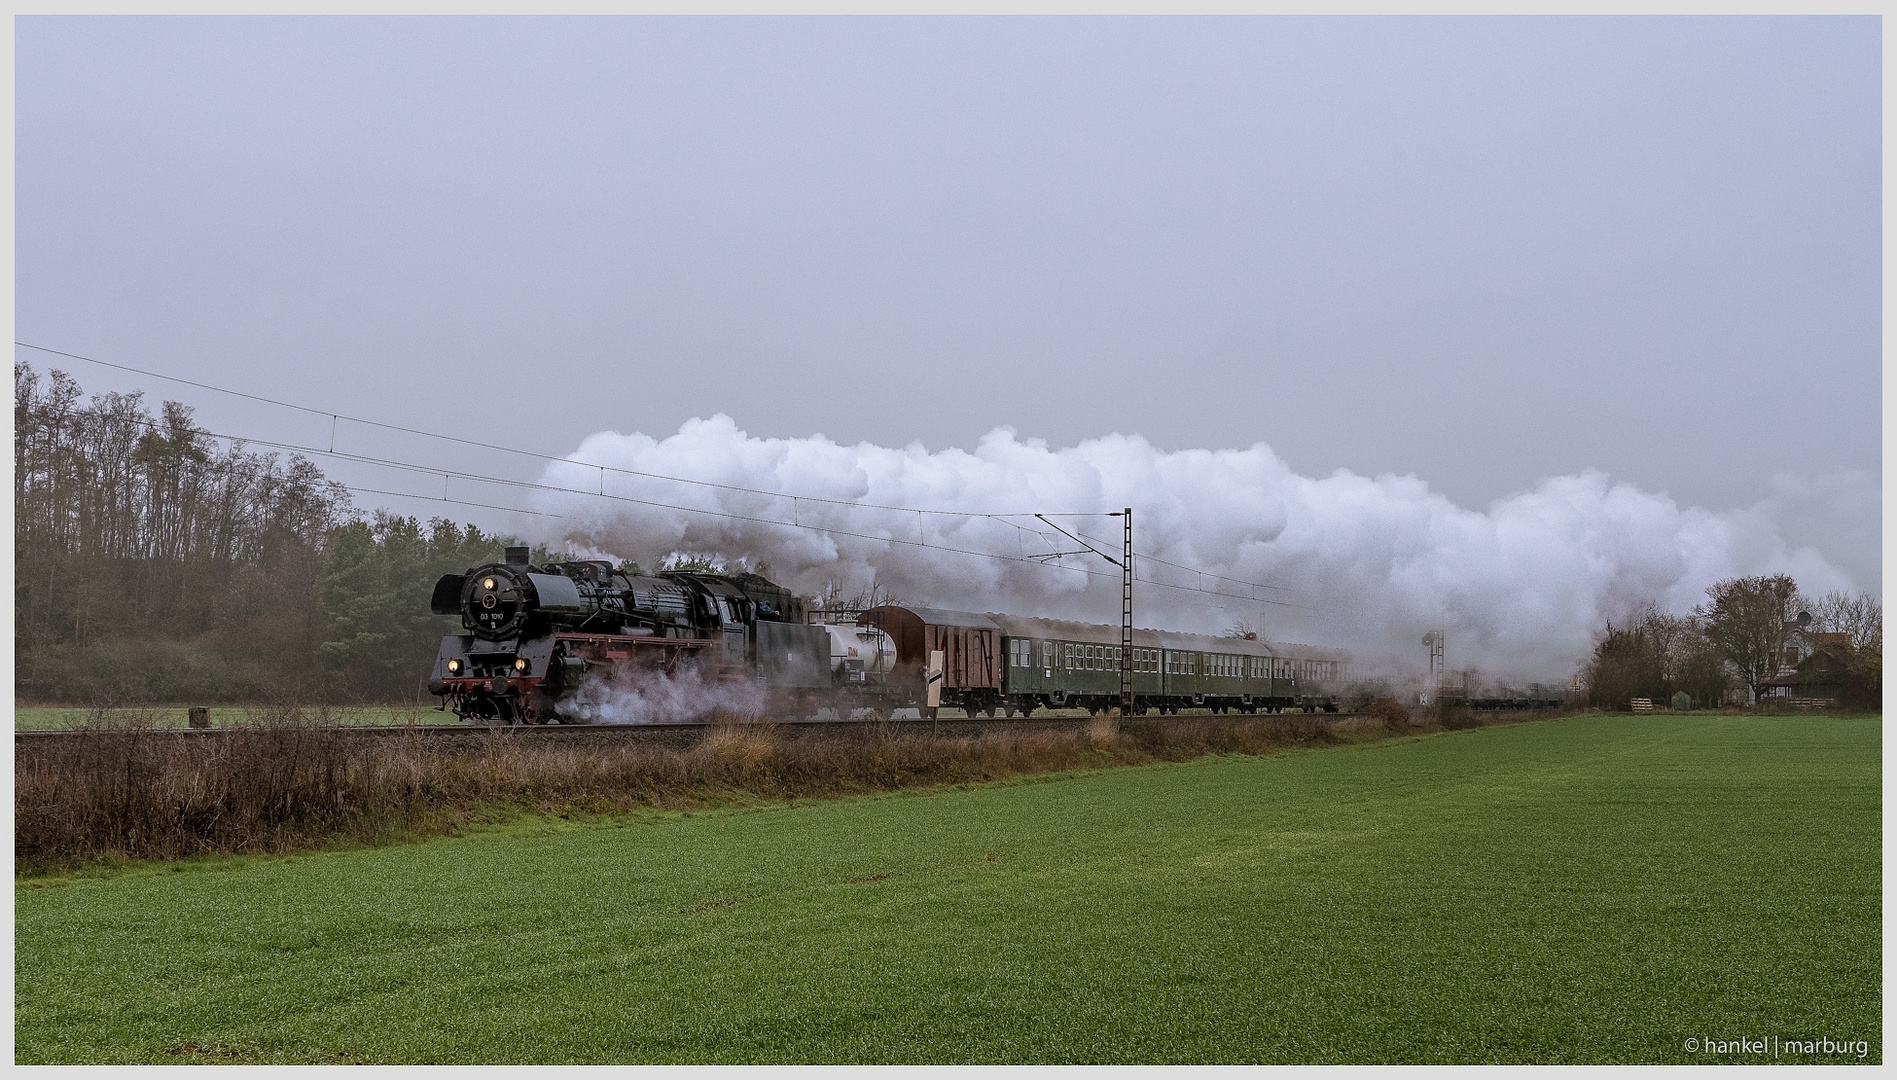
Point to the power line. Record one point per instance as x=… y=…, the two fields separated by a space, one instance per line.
x=1181 y=566
x=446 y=499
x=479 y=478
x=335 y=416
x=795 y=524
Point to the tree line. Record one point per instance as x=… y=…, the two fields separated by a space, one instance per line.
x=153 y=564
x=1738 y=640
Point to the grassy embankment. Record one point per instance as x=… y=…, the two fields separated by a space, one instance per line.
x=1597 y=888
x=67 y=717
x=294 y=782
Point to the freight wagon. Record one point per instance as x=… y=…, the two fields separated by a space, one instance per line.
x=1013 y=665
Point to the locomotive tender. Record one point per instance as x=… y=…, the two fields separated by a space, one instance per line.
x=534 y=634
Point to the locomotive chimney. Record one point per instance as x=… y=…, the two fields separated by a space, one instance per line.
x=517 y=556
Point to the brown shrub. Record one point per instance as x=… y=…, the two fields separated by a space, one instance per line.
x=1458 y=718
x=290 y=779
x=1391 y=715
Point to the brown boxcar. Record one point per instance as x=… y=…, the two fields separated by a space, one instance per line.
x=970 y=645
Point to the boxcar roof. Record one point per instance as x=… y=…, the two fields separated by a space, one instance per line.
x=934 y=616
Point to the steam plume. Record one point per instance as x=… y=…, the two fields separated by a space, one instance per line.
x=1363 y=562
x=652 y=697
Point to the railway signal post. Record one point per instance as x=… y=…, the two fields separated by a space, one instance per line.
x=1125 y=563
x=1126 y=616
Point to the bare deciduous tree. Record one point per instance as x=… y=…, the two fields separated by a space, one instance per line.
x=1861 y=616
x=1748 y=620
x=1655 y=656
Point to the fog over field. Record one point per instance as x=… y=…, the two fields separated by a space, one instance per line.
x=1369 y=562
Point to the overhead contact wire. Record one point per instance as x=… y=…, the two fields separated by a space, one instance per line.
x=478 y=478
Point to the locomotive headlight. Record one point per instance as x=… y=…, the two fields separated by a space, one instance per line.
x=487 y=583
x=520 y=665
x=454 y=666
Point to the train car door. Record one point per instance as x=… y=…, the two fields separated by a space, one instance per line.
x=733 y=619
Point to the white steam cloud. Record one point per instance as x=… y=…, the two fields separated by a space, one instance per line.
x=1361 y=562
x=651 y=697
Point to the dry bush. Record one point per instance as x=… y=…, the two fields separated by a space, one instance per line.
x=289 y=779
x=1391 y=715
x=1458 y=718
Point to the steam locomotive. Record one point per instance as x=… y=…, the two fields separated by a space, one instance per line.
x=535 y=636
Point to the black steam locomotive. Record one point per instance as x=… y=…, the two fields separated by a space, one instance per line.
x=538 y=638
x=534 y=633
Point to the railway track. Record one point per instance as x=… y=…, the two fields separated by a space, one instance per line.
x=665 y=733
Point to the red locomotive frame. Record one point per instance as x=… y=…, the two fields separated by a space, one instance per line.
x=520 y=695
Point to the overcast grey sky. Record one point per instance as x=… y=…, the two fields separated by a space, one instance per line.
x=1482 y=251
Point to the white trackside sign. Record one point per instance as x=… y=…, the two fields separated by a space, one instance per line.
x=935 y=678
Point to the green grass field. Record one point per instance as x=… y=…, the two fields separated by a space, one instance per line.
x=1599 y=888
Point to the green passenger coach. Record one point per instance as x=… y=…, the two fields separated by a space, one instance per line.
x=1052 y=663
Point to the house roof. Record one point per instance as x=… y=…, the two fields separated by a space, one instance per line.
x=1837 y=642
